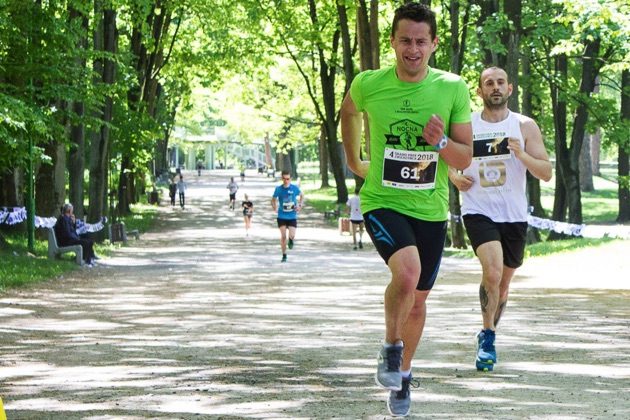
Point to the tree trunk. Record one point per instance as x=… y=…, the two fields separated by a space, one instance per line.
x=105 y=39
x=488 y=8
x=330 y=116
x=458 y=237
x=323 y=157
x=623 y=160
x=559 y=109
x=596 y=147
x=512 y=40
x=533 y=183
x=76 y=155
x=50 y=181
x=590 y=69
x=585 y=165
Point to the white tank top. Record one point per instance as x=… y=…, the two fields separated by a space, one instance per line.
x=499 y=186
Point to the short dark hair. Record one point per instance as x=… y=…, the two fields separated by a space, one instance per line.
x=285 y=172
x=507 y=77
x=417 y=12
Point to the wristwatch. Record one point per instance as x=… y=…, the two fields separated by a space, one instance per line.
x=442 y=143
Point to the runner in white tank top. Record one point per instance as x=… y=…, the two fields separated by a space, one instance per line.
x=505 y=146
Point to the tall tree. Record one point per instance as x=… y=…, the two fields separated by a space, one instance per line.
x=623 y=159
x=105 y=41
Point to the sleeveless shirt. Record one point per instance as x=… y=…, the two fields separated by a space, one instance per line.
x=499 y=186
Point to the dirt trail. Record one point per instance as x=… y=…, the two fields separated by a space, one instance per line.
x=195 y=320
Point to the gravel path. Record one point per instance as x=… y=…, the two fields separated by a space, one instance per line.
x=195 y=320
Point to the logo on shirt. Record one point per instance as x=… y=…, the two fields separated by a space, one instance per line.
x=405 y=134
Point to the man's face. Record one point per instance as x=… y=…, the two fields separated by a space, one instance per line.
x=413 y=46
x=286 y=180
x=494 y=89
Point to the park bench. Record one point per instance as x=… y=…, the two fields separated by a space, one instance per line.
x=55 y=251
x=332 y=214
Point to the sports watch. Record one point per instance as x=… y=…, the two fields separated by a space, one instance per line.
x=442 y=143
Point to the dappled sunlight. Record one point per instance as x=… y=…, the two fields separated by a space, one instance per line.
x=196 y=319
x=597 y=370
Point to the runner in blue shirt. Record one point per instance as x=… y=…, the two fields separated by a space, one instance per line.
x=287 y=201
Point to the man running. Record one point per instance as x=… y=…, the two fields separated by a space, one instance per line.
x=506 y=145
x=233 y=187
x=419 y=124
x=287 y=200
x=356 y=219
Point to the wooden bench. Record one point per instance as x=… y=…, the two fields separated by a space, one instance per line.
x=332 y=214
x=55 y=251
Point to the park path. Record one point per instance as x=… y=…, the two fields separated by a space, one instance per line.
x=195 y=320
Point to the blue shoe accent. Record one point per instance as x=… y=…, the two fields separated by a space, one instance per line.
x=486 y=353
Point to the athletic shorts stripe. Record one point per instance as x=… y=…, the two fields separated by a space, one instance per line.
x=391 y=231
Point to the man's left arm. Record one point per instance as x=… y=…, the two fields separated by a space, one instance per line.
x=534 y=157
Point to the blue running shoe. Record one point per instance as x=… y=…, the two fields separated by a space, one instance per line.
x=388 y=367
x=399 y=402
x=486 y=353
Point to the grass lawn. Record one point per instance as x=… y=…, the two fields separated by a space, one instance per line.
x=20 y=268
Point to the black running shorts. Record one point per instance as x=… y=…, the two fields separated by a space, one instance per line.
x=482 y=229
x=287 y=222
x=391 y=231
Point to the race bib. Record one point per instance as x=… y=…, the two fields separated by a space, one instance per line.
x=490 y=146
x=409 y=170
x=288 y=206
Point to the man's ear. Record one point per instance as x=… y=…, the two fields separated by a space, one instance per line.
x=436 y=41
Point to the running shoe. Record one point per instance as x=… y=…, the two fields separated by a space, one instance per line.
x=290 y=243
x=399 y=402
x=486 y=353
x=284 y=258
x=360 y=245
x=354 y=248
x=388 y=367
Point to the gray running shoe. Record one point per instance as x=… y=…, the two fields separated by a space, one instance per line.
x=388 y=367
x=399 y=402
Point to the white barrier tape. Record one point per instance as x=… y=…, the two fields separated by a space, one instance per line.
x=586 y=231
x=560 y=227
x=18 y=215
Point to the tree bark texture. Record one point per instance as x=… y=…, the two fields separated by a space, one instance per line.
x=105 y=39
x=623 y=160
x=76 y=154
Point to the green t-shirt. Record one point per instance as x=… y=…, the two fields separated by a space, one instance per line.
x=406 y=174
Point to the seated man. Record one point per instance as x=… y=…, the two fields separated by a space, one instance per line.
x=65 y=231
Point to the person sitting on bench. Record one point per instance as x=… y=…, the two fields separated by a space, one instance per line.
x=65 y=231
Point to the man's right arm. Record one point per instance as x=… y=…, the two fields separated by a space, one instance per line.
x=351 y=126
x=461 y=181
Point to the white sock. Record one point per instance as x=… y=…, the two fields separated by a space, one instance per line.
x=405 y=373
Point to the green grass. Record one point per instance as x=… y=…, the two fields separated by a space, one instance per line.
x=20 y=268
x=598 y=207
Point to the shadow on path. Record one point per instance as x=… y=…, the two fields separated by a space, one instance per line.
x=195 y=320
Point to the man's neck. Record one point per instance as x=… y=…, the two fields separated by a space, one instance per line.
x=494 y=115
x=404 y=77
